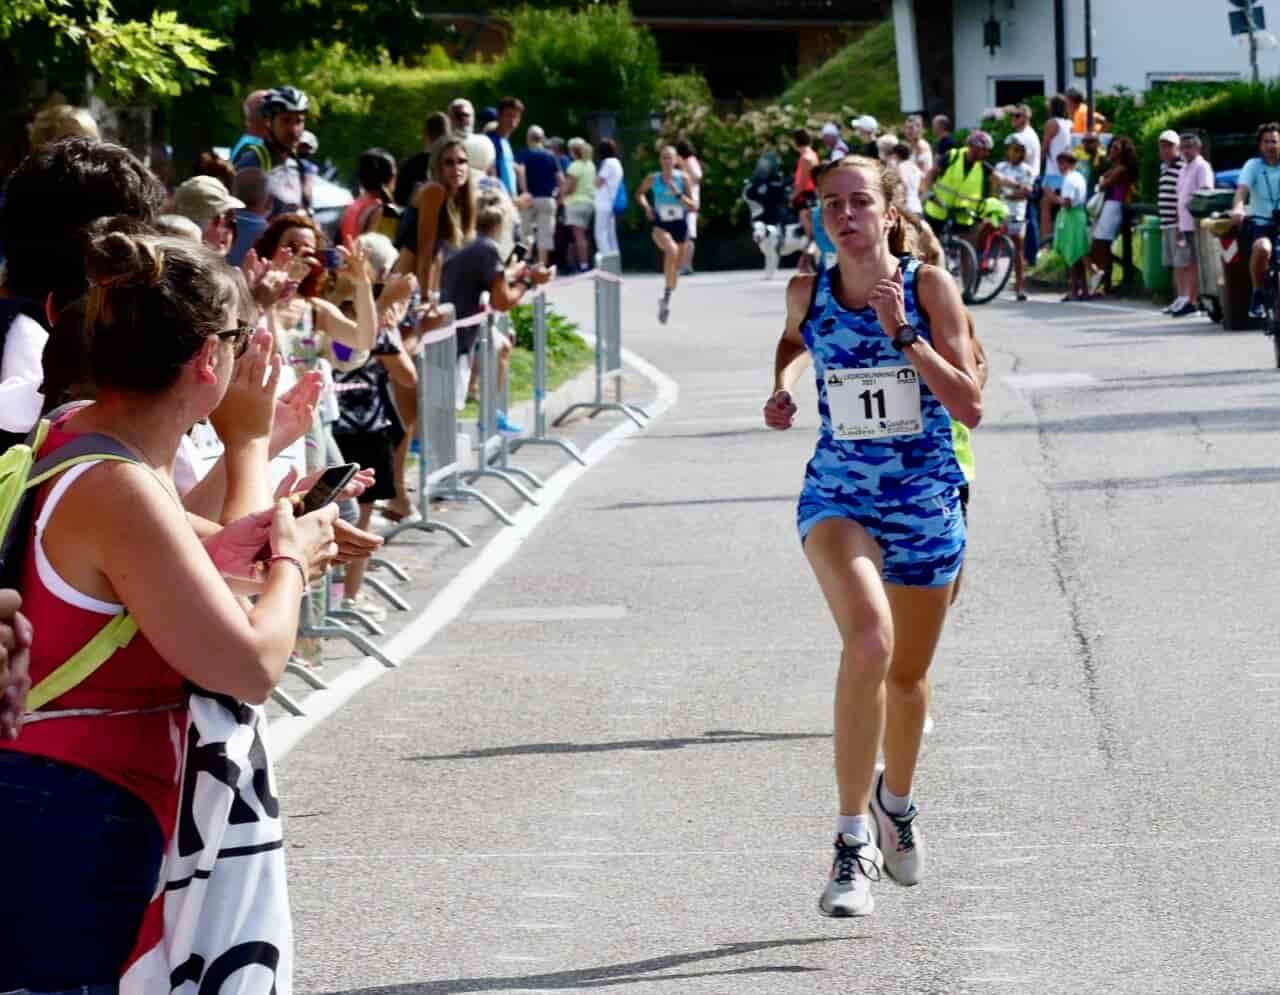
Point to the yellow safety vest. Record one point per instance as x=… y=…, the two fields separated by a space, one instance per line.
x=957 y=191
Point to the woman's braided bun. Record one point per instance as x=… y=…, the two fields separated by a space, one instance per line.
x=118 y=259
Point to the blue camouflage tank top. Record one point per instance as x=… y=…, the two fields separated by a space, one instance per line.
x=903 y=459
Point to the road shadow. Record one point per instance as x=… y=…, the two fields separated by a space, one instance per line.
x=629 y=973
x=1189 y=478
x=711 y=738
x=695 y=502
x=1255 y=419
x=1197 y=379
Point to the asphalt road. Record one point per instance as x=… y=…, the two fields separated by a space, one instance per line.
x=613 y=771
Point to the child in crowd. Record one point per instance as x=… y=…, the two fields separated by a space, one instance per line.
x=1071 y=227
x=1013 y=181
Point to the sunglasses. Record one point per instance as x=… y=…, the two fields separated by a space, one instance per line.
x=238 y=337
x=454 y=162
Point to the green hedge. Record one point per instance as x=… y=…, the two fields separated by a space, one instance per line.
x=562 y=65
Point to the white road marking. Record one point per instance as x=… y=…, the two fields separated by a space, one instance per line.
x=537 y=926
x=448 y=604
x=551 y=894
x=1000 y=861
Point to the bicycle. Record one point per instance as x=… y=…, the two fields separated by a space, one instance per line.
x=1271 y=322
x=995 y=259
x=958 y=257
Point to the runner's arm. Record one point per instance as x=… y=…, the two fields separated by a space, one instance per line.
x=641 y=194
x=947 y=366
x=792 y=356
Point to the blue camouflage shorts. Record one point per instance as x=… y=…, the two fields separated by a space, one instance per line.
x=922 y=542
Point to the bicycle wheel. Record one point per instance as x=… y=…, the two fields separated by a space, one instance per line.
x=994 y=268
x=962 y=263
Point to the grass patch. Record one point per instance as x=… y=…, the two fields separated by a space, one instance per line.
x=572 y=356
x=862 y=75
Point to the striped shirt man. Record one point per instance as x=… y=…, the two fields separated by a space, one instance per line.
x=1168 y=193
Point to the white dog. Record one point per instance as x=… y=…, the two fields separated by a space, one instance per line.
x=776 y=241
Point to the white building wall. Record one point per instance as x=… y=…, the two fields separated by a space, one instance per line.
x=1135 y=42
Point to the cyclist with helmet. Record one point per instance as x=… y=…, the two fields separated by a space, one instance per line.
x=958 y=184
x=285 y=109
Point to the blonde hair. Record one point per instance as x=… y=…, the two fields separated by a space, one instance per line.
x=891 y=190
x=63 y=121
x=458 y=213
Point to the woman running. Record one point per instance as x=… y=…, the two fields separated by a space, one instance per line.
x=669 y=213
x=879 y=515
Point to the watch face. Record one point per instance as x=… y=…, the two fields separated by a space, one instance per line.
x=904 y=336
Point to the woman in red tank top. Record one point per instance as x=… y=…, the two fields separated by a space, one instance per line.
x=88 y=789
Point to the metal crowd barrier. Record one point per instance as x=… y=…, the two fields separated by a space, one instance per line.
x=608 y=277
x=440 y=470
x=540 y=436
x=492 y=449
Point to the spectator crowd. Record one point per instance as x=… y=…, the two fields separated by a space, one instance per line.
x=207 y=393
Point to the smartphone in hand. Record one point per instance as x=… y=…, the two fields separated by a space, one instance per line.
x=322 y=492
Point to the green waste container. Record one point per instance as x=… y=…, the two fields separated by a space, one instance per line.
x=1155 y=275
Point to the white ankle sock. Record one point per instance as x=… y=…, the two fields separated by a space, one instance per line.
x=854 y=825
x=894 y=804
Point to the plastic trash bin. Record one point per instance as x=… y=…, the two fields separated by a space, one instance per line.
x=1155 y=275
x=1224 y=273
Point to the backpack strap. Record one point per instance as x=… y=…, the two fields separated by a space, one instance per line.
x=82 y=449
x=115 y=635
x=119 y=632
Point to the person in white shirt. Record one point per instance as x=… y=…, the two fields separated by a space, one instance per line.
x=1014 y=179
x=608 y=178
x=921 y=150
x=1030 y=140
x=906 y=164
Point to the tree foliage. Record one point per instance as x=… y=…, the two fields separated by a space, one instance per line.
x=159 y=55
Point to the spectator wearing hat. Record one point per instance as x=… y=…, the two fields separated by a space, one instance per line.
x=206 y=202
x=866 y=127
x=1013 y=180
x=1196 y=174
x=836 y=147
x=462 y=117
x=958 y=183
x=1167 y=203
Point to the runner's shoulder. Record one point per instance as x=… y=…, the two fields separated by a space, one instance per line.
x=800 y=291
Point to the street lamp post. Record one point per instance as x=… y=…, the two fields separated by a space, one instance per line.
x=1088 y=66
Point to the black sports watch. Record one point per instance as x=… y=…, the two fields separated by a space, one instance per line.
x=905 y=335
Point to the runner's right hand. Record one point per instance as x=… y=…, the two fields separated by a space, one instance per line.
x=780 y=410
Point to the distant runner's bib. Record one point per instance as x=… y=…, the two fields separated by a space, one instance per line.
x=874 y=402
x=670 y=212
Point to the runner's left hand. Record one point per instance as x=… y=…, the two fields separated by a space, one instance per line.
x=886 y=299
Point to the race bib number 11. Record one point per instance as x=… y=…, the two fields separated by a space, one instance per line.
x=874 y=403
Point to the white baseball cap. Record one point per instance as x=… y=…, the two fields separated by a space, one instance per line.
x=1170 y=136
x=865 y=123
x=830 y=129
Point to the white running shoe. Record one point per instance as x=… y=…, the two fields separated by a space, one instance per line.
x=365 y=606
x=848 y=892
x=899 y=840
x=1174 y=305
